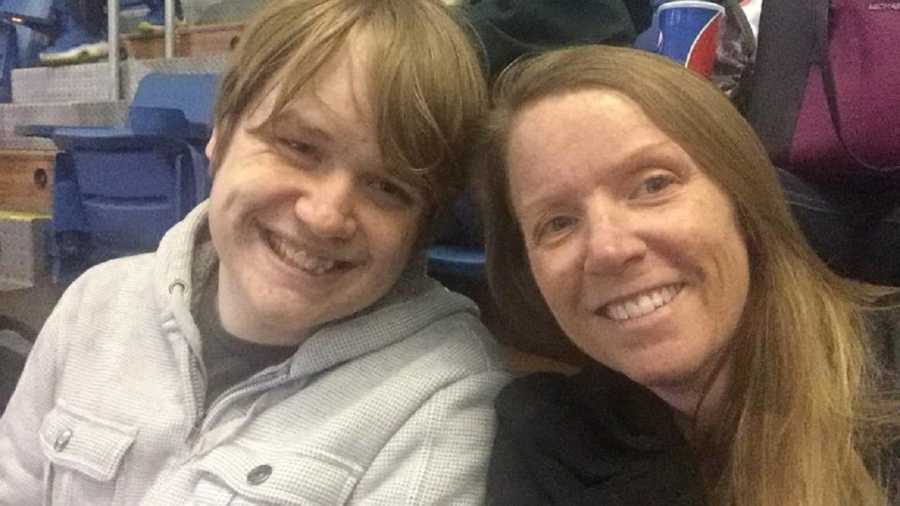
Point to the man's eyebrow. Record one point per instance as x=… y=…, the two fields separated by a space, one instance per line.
x=291 y=121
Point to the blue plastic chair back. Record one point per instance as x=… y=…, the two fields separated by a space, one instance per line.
x=192 y=94
x=457 y=258
x=118 y=189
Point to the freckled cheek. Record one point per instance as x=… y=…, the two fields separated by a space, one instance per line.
x=557 y=281
x=728 y=286
x=737 y=273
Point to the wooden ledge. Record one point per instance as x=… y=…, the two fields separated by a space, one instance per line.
x=26 y=180
x=190 y=40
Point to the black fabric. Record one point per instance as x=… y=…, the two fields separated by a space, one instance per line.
x=229 y=359
x=12 y=357
x=884 y=325
x=594 y=438
x=786 y=48
x=855 y=231
x=891 y=475
x=511 y=28
x=89 y=15
x=11 y=365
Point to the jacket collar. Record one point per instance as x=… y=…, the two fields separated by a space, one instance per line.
x=186 y=256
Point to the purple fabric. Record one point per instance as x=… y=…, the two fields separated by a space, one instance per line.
x=864 y=49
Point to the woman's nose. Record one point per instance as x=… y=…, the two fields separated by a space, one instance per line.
x=326 y=207
x=612 y=246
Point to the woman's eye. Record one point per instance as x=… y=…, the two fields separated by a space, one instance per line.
x=555 y=226
x=655 y=184
x=559 y=223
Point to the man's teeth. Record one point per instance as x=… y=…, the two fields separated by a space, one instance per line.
x=300 y=258
x=642 y=304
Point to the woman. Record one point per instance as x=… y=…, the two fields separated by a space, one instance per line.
x=627 y=202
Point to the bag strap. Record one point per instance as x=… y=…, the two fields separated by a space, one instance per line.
x=785 y=52
x=737 y=49
x=734 y=11
x=828 y=85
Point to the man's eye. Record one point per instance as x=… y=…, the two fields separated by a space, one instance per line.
x=300 y=148
x=391 y=190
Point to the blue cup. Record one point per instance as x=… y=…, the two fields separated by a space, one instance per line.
x=689 y=33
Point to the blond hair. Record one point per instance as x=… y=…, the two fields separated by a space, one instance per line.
x=426 y=81
x=802 y=423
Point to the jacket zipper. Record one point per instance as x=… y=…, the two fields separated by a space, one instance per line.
x=196 y=393
x=265 y=383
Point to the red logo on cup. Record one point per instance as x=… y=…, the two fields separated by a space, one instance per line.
x=689 y=33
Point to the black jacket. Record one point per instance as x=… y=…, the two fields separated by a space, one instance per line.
x=508 y=29
x=595 y=438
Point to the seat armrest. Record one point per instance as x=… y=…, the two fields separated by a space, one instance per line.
x=111 y=139
x=45 y=131
x=458 y=260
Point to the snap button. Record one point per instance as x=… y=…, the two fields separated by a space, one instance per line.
x=177 y=284
x=259 y=474
x=62 y=440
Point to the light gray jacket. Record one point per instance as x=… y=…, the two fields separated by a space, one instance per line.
x=390 y=407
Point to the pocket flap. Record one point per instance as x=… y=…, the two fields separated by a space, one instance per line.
x=85 y=443
x=282 y=477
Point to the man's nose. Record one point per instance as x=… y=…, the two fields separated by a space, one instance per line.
x=326 y=206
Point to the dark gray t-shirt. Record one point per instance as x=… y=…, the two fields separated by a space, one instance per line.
x=229 y=359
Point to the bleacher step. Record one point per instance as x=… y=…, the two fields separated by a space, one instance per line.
x=91 y=82
x=71 y=114
x=71 y=83
x=79 y=95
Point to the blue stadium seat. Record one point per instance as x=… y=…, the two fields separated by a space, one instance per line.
x=457 y=256
x=118 y=189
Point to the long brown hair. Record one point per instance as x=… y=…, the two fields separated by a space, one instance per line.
x=802 y=422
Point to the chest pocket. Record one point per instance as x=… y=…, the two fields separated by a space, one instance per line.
x=84 y=455
x=240 y=476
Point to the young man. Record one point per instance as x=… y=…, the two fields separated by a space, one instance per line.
x=283 y=345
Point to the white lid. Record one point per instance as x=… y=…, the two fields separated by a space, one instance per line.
x=698 y=4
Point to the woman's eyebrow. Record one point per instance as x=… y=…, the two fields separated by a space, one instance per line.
x=658 y=152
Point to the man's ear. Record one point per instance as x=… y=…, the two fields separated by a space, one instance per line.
x=210 y=149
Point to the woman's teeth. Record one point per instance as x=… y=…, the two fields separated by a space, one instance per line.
x=642 y=304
